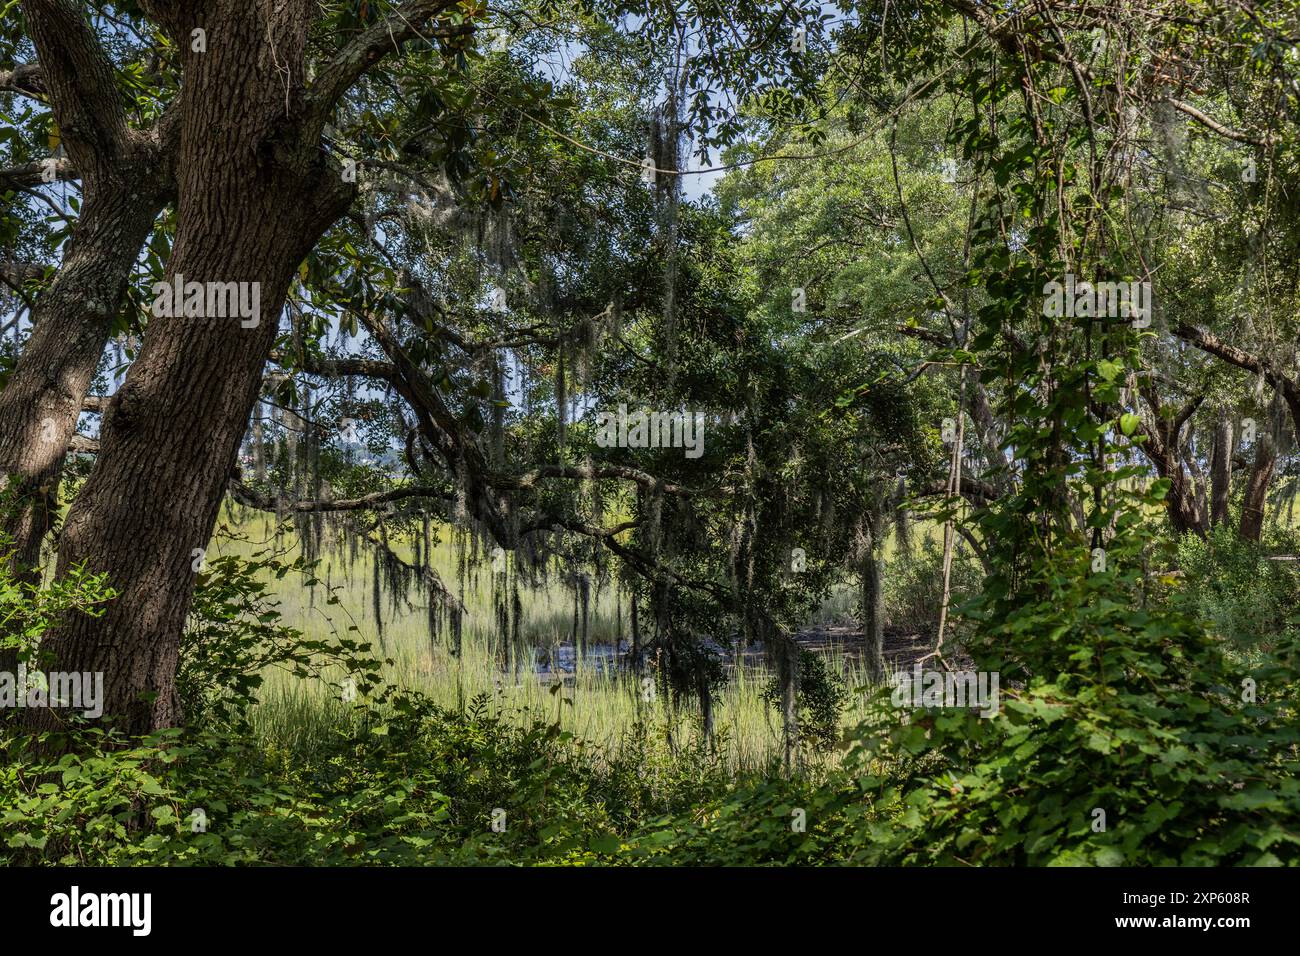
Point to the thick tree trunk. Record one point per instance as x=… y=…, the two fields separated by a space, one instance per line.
x=1162 y=449
x=1221 y=470
x=1184 y=512
x=40 y=406
x=252 y=202
x=873 y=617
x=1252 y=502
x=126 y=181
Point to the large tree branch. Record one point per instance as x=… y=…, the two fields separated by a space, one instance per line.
x=338 y=368
x=25 y=79
x=1183 y=414
x=976 y=491
x=408 y=22
x=14 y=274
x=1209 y=343
x=552 y=522
x=590 y=471
x=247 y=496
x=1211 y=124
x=444 y=430
x=388 y=372
x=82 y=86
x=44 y=171
x=1161 y=447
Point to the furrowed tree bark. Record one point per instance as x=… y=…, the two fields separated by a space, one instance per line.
x=1252 y=505
x=126 y=181
x=40 y=406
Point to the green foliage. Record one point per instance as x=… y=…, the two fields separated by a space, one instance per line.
x=27 y=610
x=773 y=822
x=1241 y=594
x=913 y=585
x=400 y=781
x=1114 y=703
x=403 y=783
x=819 y=701
x=235 y=636
x=1186 y=771
x=1149 y=723
x=1118 y=704
x=377 y=797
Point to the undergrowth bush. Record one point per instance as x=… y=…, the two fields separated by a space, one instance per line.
x=1106 y=706
x=820 y=699
x=1234 y=586
x=913 y=585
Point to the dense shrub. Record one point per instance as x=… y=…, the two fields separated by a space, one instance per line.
x=419 y=786
x=235 y=635
x=913 y=584
x=1125 y=736
x=819 y=701
x=1237 y=590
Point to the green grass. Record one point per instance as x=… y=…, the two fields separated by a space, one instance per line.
x=598 y=702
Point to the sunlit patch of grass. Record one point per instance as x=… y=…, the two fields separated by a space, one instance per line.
x=600 y=700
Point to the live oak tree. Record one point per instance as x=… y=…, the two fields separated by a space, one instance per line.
x=255 y=190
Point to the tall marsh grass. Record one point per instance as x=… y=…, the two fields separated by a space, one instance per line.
x=596 y=698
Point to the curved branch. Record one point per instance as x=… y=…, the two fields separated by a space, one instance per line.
x=976 y=491
x=247 y=496
x=591 y=471
x=407 y=22
x=1211 y=124
x=14 y=274
x=1209 y=343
